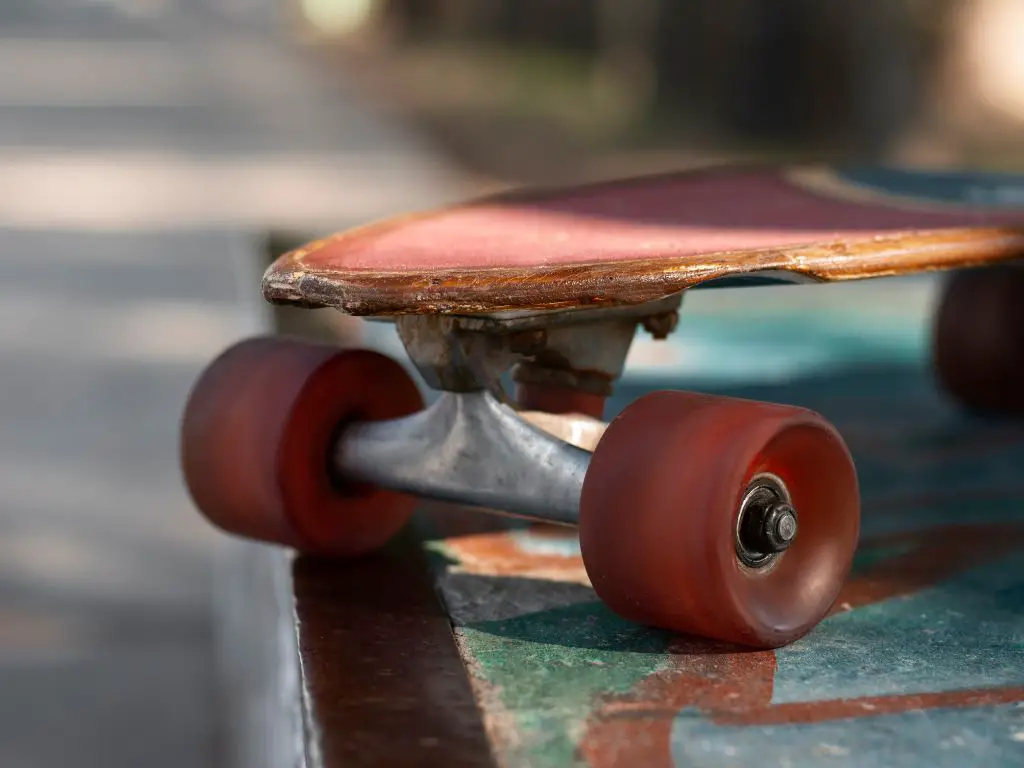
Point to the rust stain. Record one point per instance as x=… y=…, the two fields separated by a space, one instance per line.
x=635 y=728
x=736 y=688
x=498 y=554
x=870 y=706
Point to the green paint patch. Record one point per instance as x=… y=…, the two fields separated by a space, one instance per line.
x=551 y=666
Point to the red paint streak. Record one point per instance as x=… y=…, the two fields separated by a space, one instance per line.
x=869 y=706
x=937 y=554
x=498 y=554
x=635 y=728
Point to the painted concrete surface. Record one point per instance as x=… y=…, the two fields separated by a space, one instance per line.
x=920 y=661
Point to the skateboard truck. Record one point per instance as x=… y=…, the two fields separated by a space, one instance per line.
x=664 y=512
x=469 y=448
x=573 y=349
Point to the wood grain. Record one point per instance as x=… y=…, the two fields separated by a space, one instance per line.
x=383 y=680
x=607 y=283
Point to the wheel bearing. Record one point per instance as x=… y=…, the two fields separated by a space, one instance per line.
x=767 y=522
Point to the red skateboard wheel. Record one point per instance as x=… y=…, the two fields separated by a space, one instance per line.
x=661 y=511
x=256 y=439
x=978 y=341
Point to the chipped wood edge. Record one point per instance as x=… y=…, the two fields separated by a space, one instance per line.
x=596 y=284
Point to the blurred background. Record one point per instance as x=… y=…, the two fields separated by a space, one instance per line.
x=154 y=154
x=535 y=90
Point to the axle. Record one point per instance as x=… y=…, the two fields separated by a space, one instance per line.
x=469 y=448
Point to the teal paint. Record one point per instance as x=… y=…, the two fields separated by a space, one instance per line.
x=950 y=738
x=549 y=665
x=966 y=633
x=983 y=189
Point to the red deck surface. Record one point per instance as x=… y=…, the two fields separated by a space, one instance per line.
x=670 y=215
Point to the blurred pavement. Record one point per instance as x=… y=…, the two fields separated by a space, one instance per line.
x=145 y=145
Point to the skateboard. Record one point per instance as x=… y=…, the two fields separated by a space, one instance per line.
x=724 y=518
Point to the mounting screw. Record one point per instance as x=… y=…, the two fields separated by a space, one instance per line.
x=660 y=326
x=528 y=342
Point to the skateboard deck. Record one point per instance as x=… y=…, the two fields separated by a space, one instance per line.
x=638 y=240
